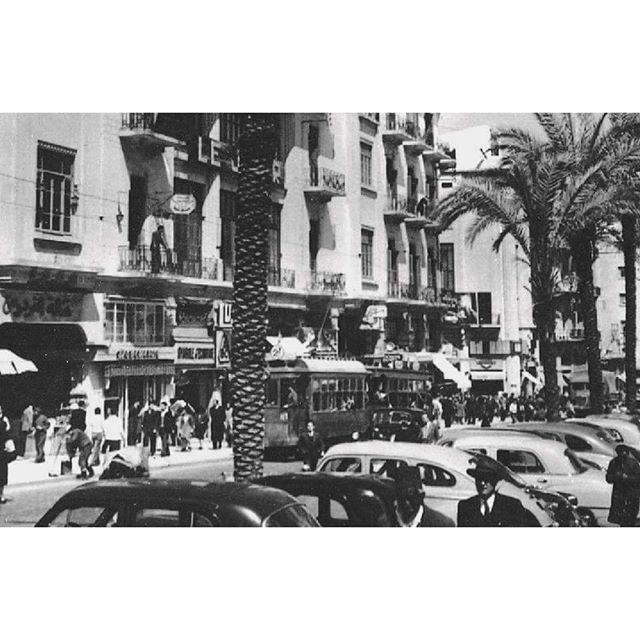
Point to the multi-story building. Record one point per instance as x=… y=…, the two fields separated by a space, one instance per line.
x=119 y=246
x=502 y=350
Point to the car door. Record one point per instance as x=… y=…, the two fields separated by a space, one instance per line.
x=525 y=462
x=85 y=515
x=443 y=489
x=170 y=513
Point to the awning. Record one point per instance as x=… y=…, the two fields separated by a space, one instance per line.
x=487 y=374
x=450 y=372
x=285 y=348
x=536 y=381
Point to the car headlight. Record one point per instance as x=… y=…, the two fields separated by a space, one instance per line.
x=573 y=501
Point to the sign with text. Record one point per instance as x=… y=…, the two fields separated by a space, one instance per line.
x=223 y=348
x=36 y=306
x=224 y=319
x=195 y=353
x=182 y=204
x=137 y=354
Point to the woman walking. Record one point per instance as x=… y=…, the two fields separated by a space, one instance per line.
x=624 y=474
x=202 y=424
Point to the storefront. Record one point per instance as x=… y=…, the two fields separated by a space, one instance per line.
x=487 y=376
x=133 y=375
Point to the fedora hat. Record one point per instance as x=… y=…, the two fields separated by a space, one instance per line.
x=484 y=471
x=408 y=476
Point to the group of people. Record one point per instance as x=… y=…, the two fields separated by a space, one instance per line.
x=177 y=422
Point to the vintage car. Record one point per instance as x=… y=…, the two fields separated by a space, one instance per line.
x=397 y=424
x=169 y=503
x=549 y=464
x=591 y=444
x=620 y=426
x=451 y=435
x=444 y=472
x=337 y=500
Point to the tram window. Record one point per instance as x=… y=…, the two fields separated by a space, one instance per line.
x=285 y=397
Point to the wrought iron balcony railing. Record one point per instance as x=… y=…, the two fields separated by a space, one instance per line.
x=279 y=277
x=143 y=259
x=325 y=183
x=327 y=282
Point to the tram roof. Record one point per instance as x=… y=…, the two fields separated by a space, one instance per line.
x=322 y=365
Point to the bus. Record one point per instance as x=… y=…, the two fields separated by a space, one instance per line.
x=332 y=393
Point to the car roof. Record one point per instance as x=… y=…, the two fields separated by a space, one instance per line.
x=511 y=441
x=259 y=499
x=463 y=432
x=344 y=483
x=448 y=456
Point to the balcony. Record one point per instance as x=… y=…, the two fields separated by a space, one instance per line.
x=141 y=260
x=396 y=208
x=278 y=277
x=419 y=210
x=412 y=292
x=324 y=184
x=140 y=128
x=372 y=117
x=397 y=130
x=327 y=282
x=569 y=333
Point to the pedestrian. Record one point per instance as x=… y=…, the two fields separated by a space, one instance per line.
x=489 y=508
x=185 y=427
x=96 y=431
x=167 y=424
x=513 y=409
x=150 y=426
x=41 y=426
x=461 y=410
x=202 y=424
x=26 y=426
x=78 y=440
x=113 y=432
x=486 y=415
x=437 y=411
x=133 y=424
x=7 y=453
x=217 y=424
x=78 y=417
x=448 y=411
x=472 y=408
x=429 y=430
x=624 y=474
x=310 y=447
x=409 y=501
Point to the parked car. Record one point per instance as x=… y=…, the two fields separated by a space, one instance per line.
x=592 y=445
x=620 y=426
x=400 y=425
x=164 y=503
x=549 y=464
x=448 y=438
x=341 y=500
x=444 y=475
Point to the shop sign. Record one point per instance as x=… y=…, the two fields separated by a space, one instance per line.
x=373 y=318
x=182 y=204
x=137 y=354
x=196 y=354
x=223 y=314
x=223 y=348
x=136 y=370
x=61 y=277
x=35 y=306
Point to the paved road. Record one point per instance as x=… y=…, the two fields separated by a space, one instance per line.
x=29 y=502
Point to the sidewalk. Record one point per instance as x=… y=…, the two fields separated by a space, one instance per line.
x=26 y=471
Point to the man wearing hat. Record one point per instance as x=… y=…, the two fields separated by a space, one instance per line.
x=489 y=508
x=624 y=474
x=410 y=510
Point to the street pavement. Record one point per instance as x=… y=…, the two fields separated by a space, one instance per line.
x=28 y=502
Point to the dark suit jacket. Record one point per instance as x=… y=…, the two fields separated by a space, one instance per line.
x=506 y=512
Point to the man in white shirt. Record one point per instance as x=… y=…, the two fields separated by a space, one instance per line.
x=96 y=430
x=113 y=432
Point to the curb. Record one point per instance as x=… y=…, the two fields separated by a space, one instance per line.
x=228 y=455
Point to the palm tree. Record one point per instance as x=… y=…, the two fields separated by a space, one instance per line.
x=599 y=151
x=518 y=197
x=257 y=145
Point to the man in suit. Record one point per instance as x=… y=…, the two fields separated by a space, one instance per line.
x=489 y=508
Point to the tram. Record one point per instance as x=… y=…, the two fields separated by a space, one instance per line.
x=332 y=393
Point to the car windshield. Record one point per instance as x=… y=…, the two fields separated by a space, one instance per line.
x=293 y=515
x=577 y=464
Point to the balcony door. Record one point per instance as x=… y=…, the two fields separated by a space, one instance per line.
x=414 y=267
x=227 y=233
x=274 y=244
x=137 y=208
x=314 y=243
x=187 y=231
x=484 y=308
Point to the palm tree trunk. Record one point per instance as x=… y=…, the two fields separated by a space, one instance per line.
x=629 y=250
x=544 y=320
x=583 y=256
x=257 y=150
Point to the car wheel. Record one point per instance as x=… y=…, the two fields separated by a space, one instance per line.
x=587 y=516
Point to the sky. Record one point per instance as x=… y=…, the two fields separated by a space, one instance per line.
x=455 y=121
